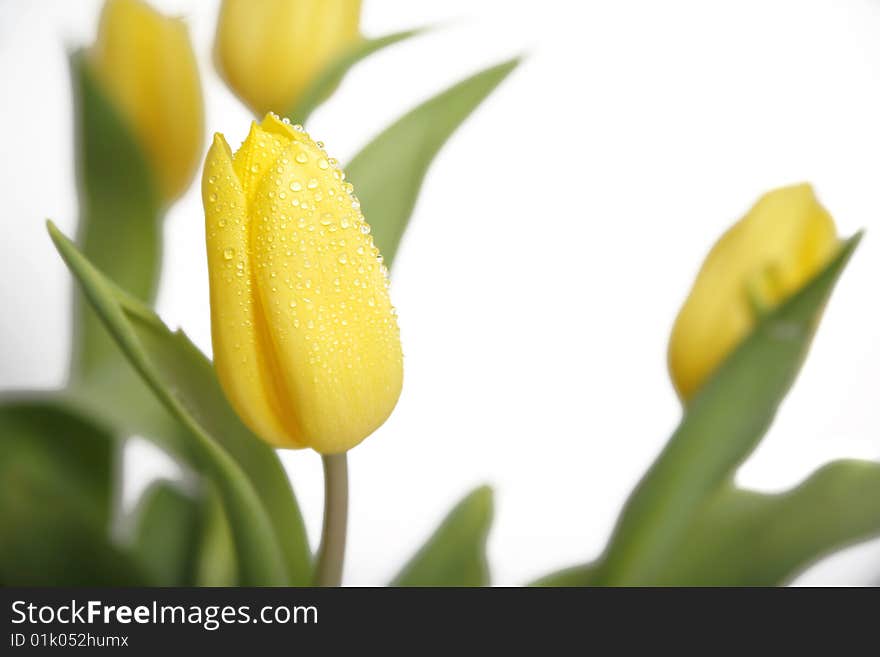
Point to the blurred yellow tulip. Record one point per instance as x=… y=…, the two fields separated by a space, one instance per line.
x=783 y=241
x=270 y=50
x=146 y=65
x=306 y=343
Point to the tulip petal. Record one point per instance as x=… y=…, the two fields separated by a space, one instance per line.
x=759 y=262
x=323 y=289
x=239 y=356
x=270 y=51
x=148 y=67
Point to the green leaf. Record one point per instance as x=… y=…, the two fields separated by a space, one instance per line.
x=388 y=173
x=267 y=527
x=169 y=526
x=120 y=213
x=744 y=538
x=455 y=555
x=41 y=439
x=328 y=80
x=56 y=482
x=189 y=376
x=216 y=555
x=577 y=576
x=721 y=426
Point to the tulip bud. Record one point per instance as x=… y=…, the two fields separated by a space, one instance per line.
x=783 y=241
x=146 y=66
x=306 y=343
x=269 y=51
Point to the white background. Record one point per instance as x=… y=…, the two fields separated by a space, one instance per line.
x=555 y=238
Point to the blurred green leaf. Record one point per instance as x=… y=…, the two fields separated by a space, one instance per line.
x=120 y=213
x=744 y=538
x=575 y=576
x=388 y=173
x=328 y=80
x=169 y=527
x=119 y=231
x=41 y=439
x=721 y=426
x=455 y=555
x=267 y=527
x=56 y=483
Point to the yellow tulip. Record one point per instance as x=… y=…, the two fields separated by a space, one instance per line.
x=783 y=241
x=146 y=65
x=306 y=343
x=270 y=50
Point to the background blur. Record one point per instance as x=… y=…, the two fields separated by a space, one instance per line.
x=554 y=241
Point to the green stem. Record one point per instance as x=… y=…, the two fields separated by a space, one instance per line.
x=331 y=554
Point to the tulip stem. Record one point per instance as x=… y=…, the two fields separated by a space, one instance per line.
x=328 y=571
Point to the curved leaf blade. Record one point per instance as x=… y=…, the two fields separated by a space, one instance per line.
x=455 y=554
x=326 y=82
x=744 y=538
x=722 y=425
x=169 y=525
x=190 y=376
x=216 y=553
x=388 y=173
x=247 y=473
